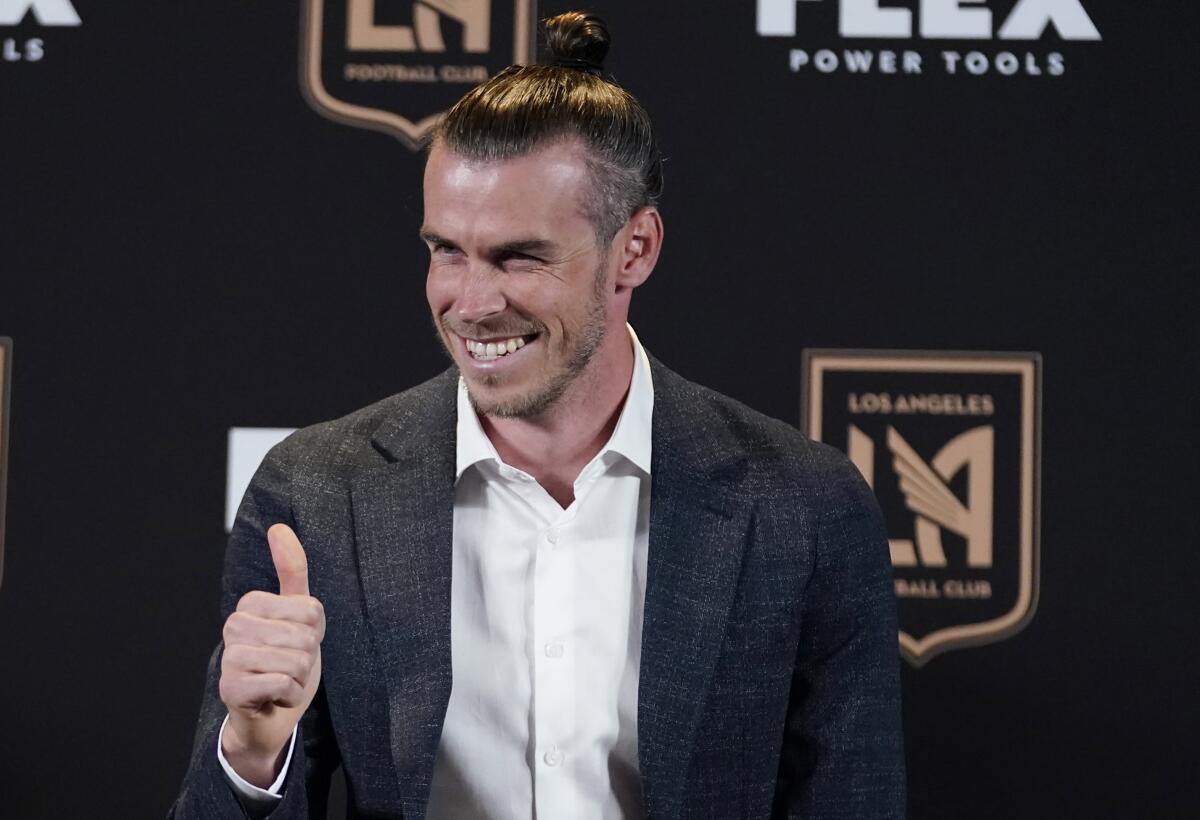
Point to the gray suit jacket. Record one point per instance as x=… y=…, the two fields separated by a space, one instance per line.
x=769 y=671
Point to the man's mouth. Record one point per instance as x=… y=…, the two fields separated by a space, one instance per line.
x=483 y=351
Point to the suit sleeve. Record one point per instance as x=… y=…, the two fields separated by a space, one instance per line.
x=843 y=753
x=206 y=791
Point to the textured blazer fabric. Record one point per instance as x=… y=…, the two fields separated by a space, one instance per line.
x=769 y=672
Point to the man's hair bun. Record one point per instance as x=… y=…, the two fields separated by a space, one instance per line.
x=566 y=96
x=578 y=40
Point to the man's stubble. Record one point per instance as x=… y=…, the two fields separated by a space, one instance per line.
x=541 y=398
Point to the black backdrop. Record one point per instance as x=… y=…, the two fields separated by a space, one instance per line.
x=185 y=246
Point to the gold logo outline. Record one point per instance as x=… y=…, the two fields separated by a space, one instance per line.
x=412 y=134
x=1028 y=366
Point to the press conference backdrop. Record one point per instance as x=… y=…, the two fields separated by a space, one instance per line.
x=955 y=240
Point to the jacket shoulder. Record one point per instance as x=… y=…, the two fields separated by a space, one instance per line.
x=775 y=452
x=344 y=445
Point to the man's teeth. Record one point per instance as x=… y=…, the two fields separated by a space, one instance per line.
x=494 y=350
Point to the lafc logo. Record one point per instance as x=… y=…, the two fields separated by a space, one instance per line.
x=928 y=496
x=46 y=12
x=940 y=19
x=950 y=445
x=396 y=65
x=425 y=34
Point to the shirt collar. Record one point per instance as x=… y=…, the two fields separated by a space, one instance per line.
x=630 y=438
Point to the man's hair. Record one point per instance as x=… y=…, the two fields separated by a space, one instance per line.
x=523 y=107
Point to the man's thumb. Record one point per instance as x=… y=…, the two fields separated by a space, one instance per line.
x=290 y=564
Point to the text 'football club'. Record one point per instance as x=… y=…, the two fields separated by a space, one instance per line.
x=950 y=444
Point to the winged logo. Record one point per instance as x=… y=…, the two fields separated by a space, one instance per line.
x=396 y=65
x=949 y=442
x=937 y=507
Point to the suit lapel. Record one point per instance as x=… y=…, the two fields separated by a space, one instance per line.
x=403 y=521
x=698 y=527
x=403 y=513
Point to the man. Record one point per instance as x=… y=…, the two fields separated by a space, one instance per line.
x=559 y=580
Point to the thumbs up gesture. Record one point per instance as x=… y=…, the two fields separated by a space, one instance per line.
x=271 y=665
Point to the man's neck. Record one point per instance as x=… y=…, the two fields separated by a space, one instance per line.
x=555 y=446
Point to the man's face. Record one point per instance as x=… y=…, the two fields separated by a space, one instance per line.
x=517 y=283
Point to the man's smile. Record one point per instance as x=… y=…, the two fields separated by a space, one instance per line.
x=490 y=349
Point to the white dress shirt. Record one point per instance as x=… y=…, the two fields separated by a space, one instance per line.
x=546 y=625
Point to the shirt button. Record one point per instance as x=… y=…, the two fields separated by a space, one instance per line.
x=552 y=536
x=553 y=757
x=554 y=650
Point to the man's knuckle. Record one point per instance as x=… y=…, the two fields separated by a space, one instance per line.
x=248 y=600
x=235 y=624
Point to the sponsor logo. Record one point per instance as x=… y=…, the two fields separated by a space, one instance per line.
x=950 y=443
x=397 y=65
x=5 y=390
x=966 y=31
x=32 y=14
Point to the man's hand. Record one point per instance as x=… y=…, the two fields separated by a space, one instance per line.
x=271 y=665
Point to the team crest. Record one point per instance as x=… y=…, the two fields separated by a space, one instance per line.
x=950 y=443
x=397 y=65
x=5 y=385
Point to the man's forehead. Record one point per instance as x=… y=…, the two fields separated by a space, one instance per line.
x=543 y=188
x=565 y=155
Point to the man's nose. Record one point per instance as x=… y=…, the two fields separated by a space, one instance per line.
x=481 y=296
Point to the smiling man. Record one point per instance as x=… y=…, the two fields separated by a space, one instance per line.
x=558 y=580
x=531 y=298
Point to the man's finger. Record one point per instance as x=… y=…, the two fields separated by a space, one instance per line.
x=261 y=660
x=254 y=691
x=290 y=564
x=252 y=628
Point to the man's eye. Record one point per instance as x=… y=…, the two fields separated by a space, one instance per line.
x=444 y=249
x=514 y=256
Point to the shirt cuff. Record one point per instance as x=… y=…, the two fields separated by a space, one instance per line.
x=249 y=791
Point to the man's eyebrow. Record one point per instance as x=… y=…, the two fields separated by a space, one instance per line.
x=533 y=246
x=525 y=246
x=432 y=238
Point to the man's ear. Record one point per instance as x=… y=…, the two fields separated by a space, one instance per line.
x=637 y=247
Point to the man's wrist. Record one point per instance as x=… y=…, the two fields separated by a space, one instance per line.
x=257 y=767
x=254 y=798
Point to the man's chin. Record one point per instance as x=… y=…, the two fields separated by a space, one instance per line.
x=488 y=401
x=488 y=398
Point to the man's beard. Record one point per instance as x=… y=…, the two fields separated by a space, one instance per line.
x=541 y=398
